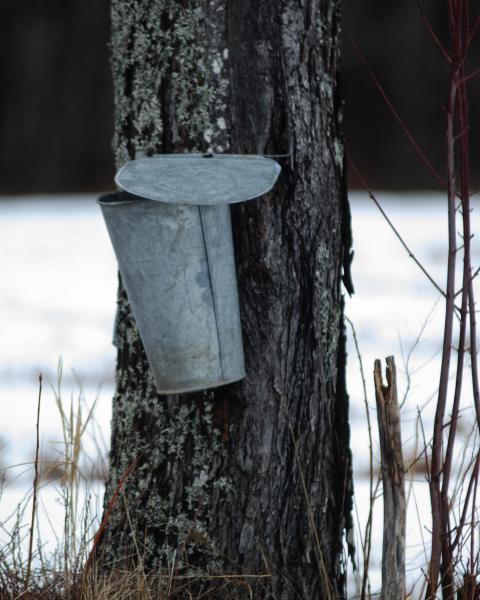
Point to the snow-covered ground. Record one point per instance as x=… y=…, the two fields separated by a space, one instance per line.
x=57 y=300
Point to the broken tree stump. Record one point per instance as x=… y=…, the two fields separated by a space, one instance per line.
x=393 y=477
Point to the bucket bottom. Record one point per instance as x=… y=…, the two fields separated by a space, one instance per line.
x=198 y=387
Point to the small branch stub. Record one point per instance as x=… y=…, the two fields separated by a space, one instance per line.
x=393 y=477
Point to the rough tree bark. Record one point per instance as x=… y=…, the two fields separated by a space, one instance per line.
x=218 y=483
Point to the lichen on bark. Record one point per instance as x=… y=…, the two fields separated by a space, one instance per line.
x=170 y=93
x=170 y=84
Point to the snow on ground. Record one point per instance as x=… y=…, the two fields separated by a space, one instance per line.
x=57 y=289
x=57 y=299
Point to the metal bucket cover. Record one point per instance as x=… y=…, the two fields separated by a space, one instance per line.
x=199 y=179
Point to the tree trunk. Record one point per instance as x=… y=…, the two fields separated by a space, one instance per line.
x=254 y=477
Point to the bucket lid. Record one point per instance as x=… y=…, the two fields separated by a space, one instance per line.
x=199 y=179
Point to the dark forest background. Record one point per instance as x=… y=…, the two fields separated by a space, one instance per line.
x=56 y=97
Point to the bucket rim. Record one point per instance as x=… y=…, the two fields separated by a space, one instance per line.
x=124 y=198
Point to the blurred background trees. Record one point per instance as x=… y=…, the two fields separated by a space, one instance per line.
x=56 y=100
x=410 y=66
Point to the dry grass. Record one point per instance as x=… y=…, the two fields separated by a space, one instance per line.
x=69 y=571
x=130 y=585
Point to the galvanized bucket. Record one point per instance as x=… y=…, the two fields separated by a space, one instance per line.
x=177 y=264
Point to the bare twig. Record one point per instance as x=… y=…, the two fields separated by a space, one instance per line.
x=443 y=548
x=432 y=32
x=367 y=542
x=137 y=549
x=399 y=120
x=35 y=487
x=101 y=530
x=325 y=578
x=395 y=230
x=473 y=276
x=438 y=516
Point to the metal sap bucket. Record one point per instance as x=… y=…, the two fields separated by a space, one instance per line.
x=175 y=254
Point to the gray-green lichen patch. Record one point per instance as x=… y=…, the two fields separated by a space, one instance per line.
x=168 y=74
x=327 y=311
x=338 y=153
x=170 y=491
